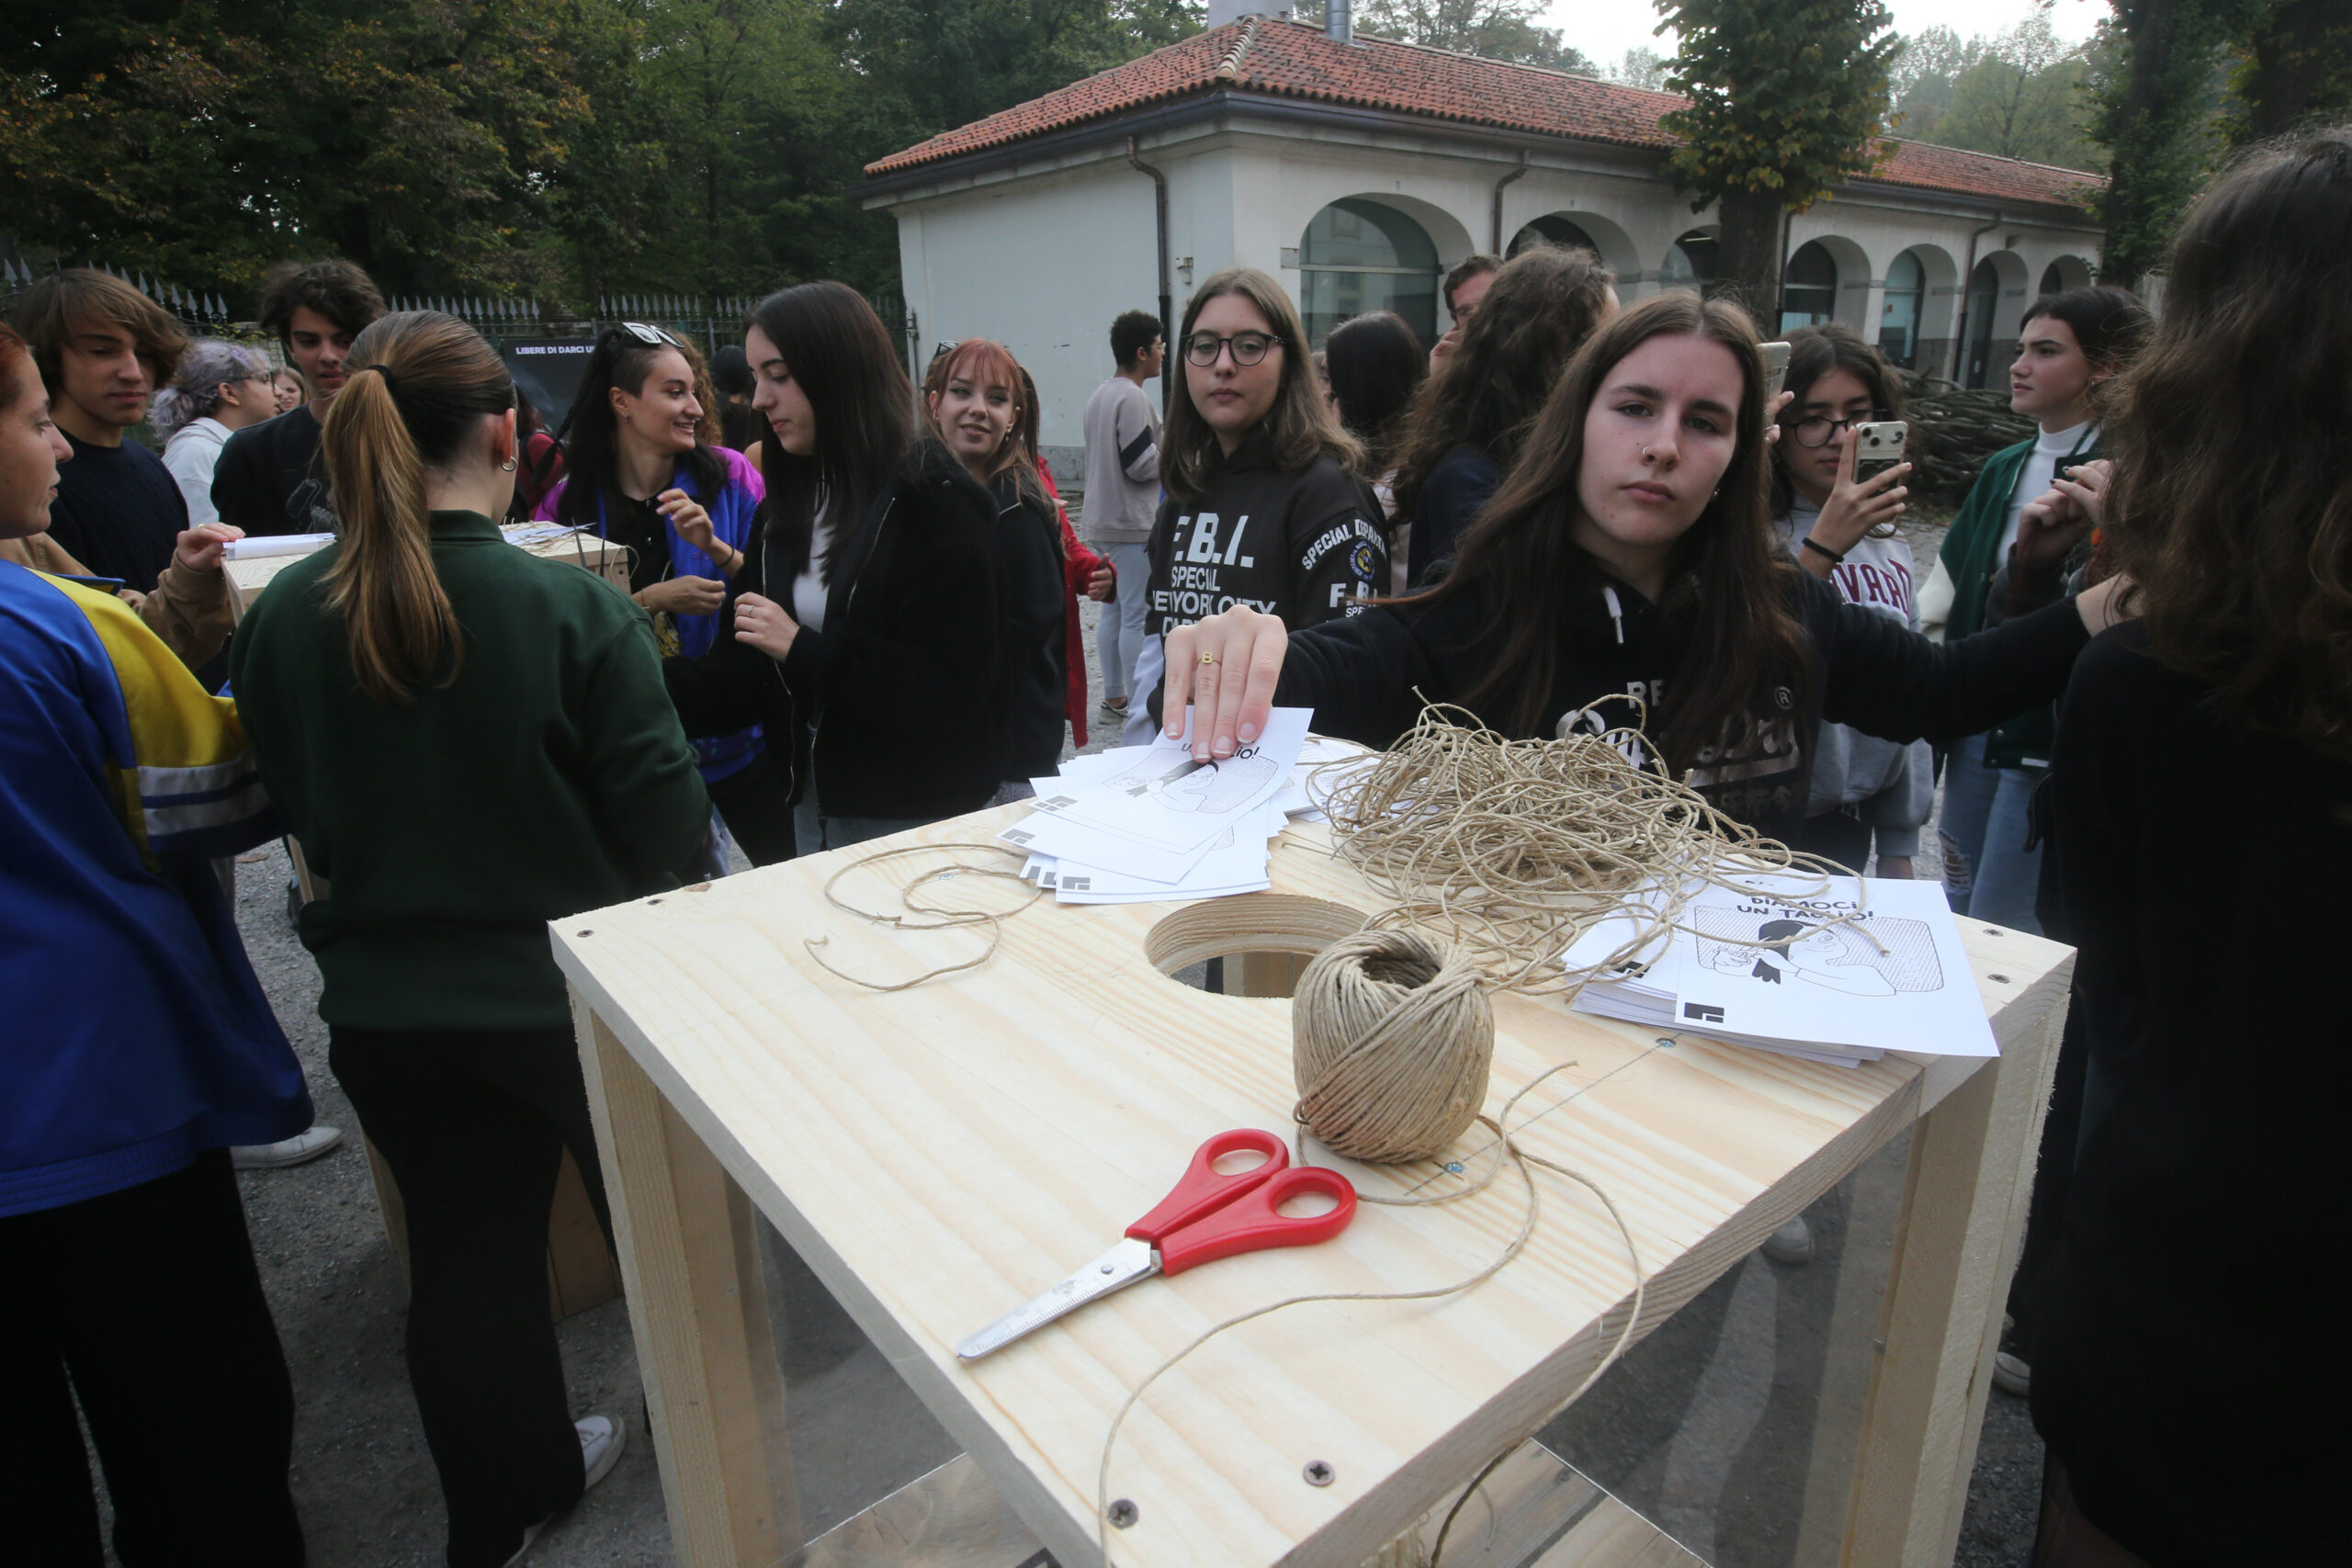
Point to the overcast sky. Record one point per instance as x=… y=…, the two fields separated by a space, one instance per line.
x=1605 y=29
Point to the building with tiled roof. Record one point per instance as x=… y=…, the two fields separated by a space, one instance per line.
x=1358 y=170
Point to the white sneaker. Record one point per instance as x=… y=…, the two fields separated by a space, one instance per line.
x=601 y=1441
x=307 y=1144
x=1792 y=1244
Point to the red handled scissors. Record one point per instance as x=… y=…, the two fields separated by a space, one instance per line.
x=1208 y=1215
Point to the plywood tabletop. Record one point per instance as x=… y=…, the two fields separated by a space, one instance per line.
x=940 y=1155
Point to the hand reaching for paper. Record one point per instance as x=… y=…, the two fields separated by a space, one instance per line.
x=763 y=622
x=199 y=548
x=1235 y=657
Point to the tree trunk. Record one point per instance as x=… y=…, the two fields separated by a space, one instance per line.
x=2300 y=67
x=1748 y=258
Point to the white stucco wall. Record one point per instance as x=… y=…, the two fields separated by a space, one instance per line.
x=1044 y=256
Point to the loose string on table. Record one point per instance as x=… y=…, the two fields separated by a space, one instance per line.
x=1511 y=1156
x=910 y=918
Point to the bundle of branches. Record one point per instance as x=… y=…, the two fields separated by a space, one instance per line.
x=1953 y=430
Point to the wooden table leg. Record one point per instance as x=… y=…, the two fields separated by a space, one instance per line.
x=1956 y=1244
x=697 y=1305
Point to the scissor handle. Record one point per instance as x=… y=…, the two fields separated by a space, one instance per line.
x=1204 y=1189
x=1255 y=1222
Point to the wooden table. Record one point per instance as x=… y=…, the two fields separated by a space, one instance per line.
x=939 y=1154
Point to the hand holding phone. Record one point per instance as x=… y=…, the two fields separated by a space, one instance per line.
x=1879 y=447
x=1776 y=367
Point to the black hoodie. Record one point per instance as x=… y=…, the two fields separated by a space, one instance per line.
x=921 y=616
x=1359 y=676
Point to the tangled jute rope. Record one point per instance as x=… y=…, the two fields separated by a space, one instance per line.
x=1391 y=1040
x=1512 y=849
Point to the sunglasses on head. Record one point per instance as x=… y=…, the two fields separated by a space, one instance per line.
x=647 y=334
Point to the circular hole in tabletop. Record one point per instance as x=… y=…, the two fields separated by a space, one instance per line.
x=1256 y=944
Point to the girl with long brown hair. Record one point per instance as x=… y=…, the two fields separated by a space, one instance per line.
x=1624 y=575
x=467 y=741
x=1467 y=421
x=879 y=587
x=1264 y=507
x=2200 y=808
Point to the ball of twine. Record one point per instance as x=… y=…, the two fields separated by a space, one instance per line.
x=1391 y=1040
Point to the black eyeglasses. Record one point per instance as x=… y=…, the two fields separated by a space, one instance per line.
x=1248 y=348
x=647 y=334
x=1821 y=430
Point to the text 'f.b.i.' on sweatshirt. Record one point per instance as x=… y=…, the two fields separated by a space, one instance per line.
x=1307 y=546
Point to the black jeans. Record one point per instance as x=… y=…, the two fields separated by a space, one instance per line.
x=148 y=1301
x=756 y=805
x=474 y=1127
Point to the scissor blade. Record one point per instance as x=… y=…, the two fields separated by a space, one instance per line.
x=1123 y=1264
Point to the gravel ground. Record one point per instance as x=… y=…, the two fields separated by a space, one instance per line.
x=370 y=1499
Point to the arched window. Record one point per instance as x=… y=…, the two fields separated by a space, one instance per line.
x=1984 y=299
x=2053 y=280
x=1551 y=229
x=1358 y=256
x=1898 y=322
x=1689 y=262
x=1808 y=288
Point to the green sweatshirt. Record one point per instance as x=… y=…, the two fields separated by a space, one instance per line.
x=549 y=777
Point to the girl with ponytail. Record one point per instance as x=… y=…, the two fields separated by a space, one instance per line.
x=469 y=741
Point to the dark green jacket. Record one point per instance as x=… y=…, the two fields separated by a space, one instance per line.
x=1971 y=557
x=549 y=777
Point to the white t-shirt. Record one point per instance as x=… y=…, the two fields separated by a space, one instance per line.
x=809 y=588
x=191 y=455
x=2051 y=448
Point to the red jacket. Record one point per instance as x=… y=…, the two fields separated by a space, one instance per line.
x=1080 y=564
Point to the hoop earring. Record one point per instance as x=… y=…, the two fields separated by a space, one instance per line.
x=507 y=466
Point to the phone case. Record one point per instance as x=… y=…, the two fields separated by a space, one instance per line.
x=1776 y=368
x=1878 y=447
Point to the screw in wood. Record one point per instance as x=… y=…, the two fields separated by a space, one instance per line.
x=587 y=933
x=1318 y=1473
x=1123 y=1513
x=1999 y=979
x=1665 y=1041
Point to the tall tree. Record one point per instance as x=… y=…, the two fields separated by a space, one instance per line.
x=1492 y=30
x=2296 y=67
x=1640 y=66
x=1787 y=98
x=2021 y=97
x=2156 y=117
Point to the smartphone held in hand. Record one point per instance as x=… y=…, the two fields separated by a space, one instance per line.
x=1879 y=447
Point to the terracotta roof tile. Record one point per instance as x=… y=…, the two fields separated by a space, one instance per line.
x=1293 y=60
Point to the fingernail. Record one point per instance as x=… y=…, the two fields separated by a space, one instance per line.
x=1249 y=732
x=1225 y=745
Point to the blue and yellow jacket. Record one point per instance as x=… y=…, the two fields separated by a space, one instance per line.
x=136 y=1034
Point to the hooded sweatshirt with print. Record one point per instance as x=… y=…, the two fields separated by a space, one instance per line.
x=1359 y=676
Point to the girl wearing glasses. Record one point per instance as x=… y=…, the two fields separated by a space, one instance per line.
x=1262 y=507
x=1625 y=575
x=1863 y=787
x=219 y=388
x=877 y=589
x=644 y=469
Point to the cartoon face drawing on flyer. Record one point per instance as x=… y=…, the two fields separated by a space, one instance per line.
x=1839 y=957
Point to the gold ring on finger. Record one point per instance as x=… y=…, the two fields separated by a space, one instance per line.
x=1211 y=658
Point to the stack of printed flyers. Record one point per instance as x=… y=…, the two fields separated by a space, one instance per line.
x=1143 y=824
x=1757 y=962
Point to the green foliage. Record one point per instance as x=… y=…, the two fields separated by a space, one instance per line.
x=2293 y=68
x=1787 y=96
x=2158 y=114
x=558 y=148
x=1641 y=67
x=1492 y=30
x=2021 y=92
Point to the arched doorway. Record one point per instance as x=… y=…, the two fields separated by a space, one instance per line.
x=1984 y=299
x=1359 y=255
x=1551 y=229
x=1808 y=287
x=1689 y=262
x=1906 y=300
x=2053 y=281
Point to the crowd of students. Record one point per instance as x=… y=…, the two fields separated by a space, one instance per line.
x=852 y=609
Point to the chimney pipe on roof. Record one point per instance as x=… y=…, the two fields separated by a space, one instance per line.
x=1339 y=21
